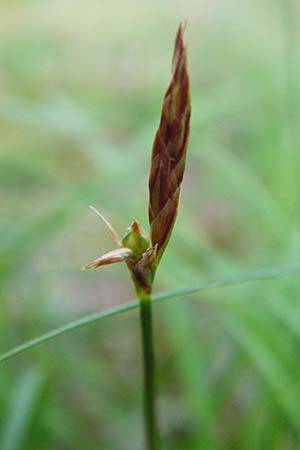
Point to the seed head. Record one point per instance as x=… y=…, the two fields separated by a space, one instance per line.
x=166 y=174
x=169 y=150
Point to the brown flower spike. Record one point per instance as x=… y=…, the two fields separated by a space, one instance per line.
x=169 y=150
x=166 y=174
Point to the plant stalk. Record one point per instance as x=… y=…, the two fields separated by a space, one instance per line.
x=149 y=401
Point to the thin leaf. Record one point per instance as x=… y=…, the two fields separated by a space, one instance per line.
x=23 y=405
x=259 y=275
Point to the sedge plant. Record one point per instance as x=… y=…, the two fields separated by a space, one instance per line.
x=141 y=253
x=262 y=324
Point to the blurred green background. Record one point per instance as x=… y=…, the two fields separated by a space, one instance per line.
x=81 y=86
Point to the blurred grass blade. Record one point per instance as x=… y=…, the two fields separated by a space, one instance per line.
x=15 y=252
x=257 y=275
x=21 y=410
x=277 y=377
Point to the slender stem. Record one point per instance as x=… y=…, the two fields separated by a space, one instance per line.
x=150 y=416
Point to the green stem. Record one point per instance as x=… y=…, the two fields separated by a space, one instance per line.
x=150 y=416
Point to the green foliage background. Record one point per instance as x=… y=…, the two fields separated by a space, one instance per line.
x=81 y=85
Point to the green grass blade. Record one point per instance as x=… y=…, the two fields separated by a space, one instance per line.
x=22 y=407
x=181 y=292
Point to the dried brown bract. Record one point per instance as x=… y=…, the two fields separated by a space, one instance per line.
x=169 y=150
